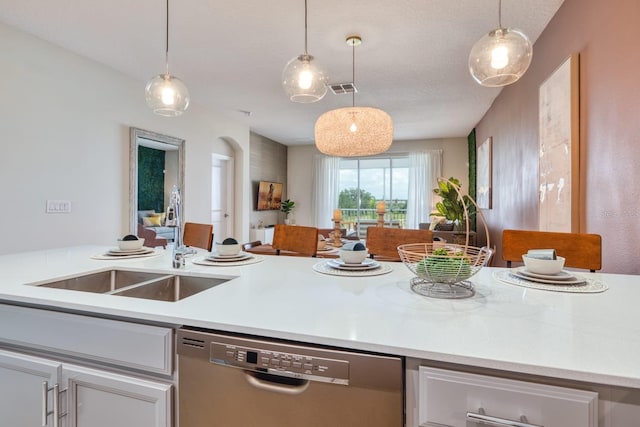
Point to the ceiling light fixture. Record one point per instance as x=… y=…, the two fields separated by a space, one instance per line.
x=167 y=95
x=500 y=57
x=354 y=131
x=302 y=79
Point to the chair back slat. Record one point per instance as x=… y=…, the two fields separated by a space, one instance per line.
x=198 y=235
x=383 y=242
x=580 y=250
x=301 y=240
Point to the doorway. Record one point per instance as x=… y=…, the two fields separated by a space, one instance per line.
x=222 y=196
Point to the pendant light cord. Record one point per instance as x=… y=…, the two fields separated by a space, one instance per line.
x=166 y=51
x=353 y=74
x=499 y=13
x=305 y=27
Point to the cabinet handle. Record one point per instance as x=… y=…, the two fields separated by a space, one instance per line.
x=45 y=403
x=45 y=399
x=56 y=404
x=481 y=418
x=271 y=384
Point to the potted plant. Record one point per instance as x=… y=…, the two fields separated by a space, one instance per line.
x=451 y=206
x=287 y=207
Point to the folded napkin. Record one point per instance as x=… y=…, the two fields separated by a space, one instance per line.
x=353 y=246
x=542 y=253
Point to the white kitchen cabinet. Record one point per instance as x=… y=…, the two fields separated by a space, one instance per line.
x=21 y=379
x=460 y=399
x=87 y=397
x=98 y=398
x=103 y=372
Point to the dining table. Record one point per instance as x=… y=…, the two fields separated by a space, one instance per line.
x=268 y=249
x=332 y=252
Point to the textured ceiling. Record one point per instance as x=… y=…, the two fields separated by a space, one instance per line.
x=412 y=62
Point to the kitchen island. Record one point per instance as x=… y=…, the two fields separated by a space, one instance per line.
x=590 y=338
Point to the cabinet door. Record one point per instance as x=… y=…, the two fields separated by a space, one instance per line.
x=460 y=399
x=103 y=399
x=21 y=388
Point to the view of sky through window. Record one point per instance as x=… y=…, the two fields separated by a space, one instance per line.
x=382 y=177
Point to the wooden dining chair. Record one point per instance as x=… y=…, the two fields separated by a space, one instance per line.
x=580 y=250
x=198 y=235
x=297 y=240
x=382 y=242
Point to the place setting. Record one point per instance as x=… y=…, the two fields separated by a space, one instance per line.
x=543 y=269
x=353 y=261
x=228 y=254
x=325 y=247
x=129 y=246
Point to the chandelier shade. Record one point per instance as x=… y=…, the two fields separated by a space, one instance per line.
x=165 y=94
x=303 y=81
x=354 y=131
x=500 y=57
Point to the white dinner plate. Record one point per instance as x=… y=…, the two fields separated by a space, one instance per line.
x=367 y=264
x=574 y=281
x=327 y=249
x=563 y=275
x=128 y=251
x=118 y=252
x=229 y=258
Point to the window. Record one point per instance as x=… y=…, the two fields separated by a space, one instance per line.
x=364 y=182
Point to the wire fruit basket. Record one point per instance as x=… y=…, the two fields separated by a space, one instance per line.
x=442 y=270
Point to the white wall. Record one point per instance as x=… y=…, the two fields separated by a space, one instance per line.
x=300 y=164
x=64 y=134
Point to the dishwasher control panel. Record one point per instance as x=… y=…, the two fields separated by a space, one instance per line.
x=282 y=363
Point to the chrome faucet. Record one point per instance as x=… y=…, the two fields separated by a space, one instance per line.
x=174 y=220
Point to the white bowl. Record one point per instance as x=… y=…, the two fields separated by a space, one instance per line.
x=130 y=245
x=352 y=257
x=543 y=266
x=228 y=250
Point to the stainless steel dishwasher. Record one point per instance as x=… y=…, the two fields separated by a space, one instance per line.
x=236 y=381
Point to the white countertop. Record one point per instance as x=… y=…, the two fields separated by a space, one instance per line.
x=585 y=337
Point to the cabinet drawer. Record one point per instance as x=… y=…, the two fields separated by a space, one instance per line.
x=129 y=345
x=446 y=397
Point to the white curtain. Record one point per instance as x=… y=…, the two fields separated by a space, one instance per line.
x=424 y=170
x=324 y=197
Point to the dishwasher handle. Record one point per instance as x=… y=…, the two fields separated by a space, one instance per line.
x=276 y=384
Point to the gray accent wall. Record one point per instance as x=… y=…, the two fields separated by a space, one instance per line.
x=268 y=162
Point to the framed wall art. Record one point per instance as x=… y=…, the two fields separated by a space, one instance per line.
x=484 y=173
x=269 y=196
x=559 y=155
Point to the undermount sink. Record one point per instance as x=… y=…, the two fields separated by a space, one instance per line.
x=135 y=284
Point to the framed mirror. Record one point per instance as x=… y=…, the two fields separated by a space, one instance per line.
x=156 y=164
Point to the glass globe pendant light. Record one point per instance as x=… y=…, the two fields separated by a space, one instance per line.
x=165 y=94
x=354 y=131
x=302 y=79
x=501 y=57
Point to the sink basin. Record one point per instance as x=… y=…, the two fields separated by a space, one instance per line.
x=102 y=282
x=171 y=288
x=155 y=286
